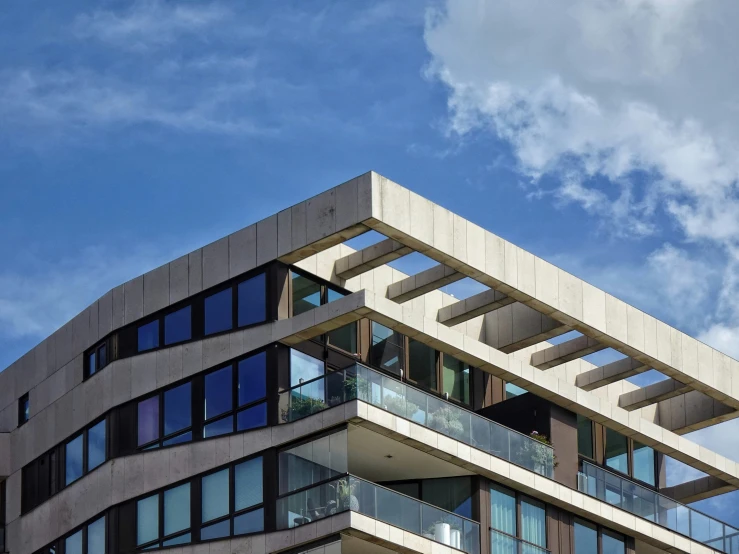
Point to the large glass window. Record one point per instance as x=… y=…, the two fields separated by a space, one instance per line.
x=73 y=460
x=306 y=294
x=584 y=436
x=612 y=543
x=90 y=539
x=252 y=378
x=178 y=411
x=456 y=379
x=219 y=400
x=644 y=466
x=96 y=537
x=617 y=451
x=304 y=368
x=148 y=336
x=586 y=537
x=166 y=419
x=96 y=445
x=422 y=364
x=148 y=420
x=219 y=312
x=252 y=295
x=73 y=543
x=533 y=522
x=344 y=337
x=503 y=510
x=147 y=520
x=387 y=351
x=175 y=503
x=178 y=326
x=313 y=462
x=453 y=494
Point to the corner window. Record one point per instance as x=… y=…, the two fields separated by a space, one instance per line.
x=306 y=294
x=24 y=409
x=422 y=364
x=387 y=350
x=252 y=295
x=219 y=312
x=304 y=368
x=456 y=379
x=617 y=451
x=584 y=436
x=148 y=336
x=178 y=326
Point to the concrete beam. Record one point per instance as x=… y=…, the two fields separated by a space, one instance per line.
x=423 y=282
x=474 y=306
x=699 y=489
x=565 y=352
x=369 y=258
x=693 y=411
x=4 y=455
x=610 y=373
x=651 y=394
x=517 y=326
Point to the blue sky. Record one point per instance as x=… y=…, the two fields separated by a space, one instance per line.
x=133 y=132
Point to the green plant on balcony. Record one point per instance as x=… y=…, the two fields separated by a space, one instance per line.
x=447 y=420
x=302 y=406
x=540 y=453
x=399 y=405
x=356 y=387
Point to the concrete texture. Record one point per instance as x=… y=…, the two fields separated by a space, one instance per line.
x=476 y=305
x=610 y=373
x=423 y=282
x=565 y=351
x=369 y=258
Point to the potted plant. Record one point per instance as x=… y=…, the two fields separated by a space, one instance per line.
x=302 y=406
x=539 y=453
x=345 y=489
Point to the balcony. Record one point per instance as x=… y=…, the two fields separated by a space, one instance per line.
x=359 y=382
x=659 y=509
x=503 y=543
x=380 y=503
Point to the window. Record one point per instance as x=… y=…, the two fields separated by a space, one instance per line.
x=219 y=312
x=304 y=368
x=453 y=494
x=422 y=364
x=612 y=543
x=73 y=460
x=24 y=409
x=175 y=424
x=148 y=336
x=97 y=359
x=178 y=326
x=344 y=337
x=584 y=436
x=511 y=391
x=617 y=451
x=306 y=294
x=387 y=351
x=96 y=453
x=644 y=463
x=515 y=515
x=88 y=540
x=252 y=295
x=220 y=508
x=313 y=462
x=587 y=535
x=175 y=529
x=218 y=400
x=456 y=379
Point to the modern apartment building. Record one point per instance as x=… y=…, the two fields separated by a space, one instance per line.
x=279 y=391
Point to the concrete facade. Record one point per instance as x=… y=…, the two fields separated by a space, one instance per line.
x=501 y=332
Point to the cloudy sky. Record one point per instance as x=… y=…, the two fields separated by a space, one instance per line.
x=598 y=134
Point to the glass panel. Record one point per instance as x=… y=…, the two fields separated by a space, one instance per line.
x=252 y=378
x=148 y=420
x=584 y=436
x=177 y=326
x=586 y=537
x=306 y=294
x=149 y=336
x=248 y=484
x=96 y=537
x=612 y=543
x=386 y=351
x=91 y=363
x=179 y=439
x=102 y=356
x=617 y=451
x=216 y=497
x=511 y=391
x=314 y=461
x=73 y=543
x=252 y=301
x=453 y=494
x=218 y=392
x=182 y=539
x=304 y=367
x=96 y=446
x=503 y=510
x=344 y=337
x=250 y=522
x=409 y=489
x=73 y=460
x=533 y=524
x=177 y=409
x=251 y=418
x=456 y=379
x=216 y=531
x=220 y=427
x=218 y=312
x=422 y=364
x=147 y=519
x=644 y=463
x=177 y=509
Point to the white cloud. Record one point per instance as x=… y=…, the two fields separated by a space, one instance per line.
x=148 y=23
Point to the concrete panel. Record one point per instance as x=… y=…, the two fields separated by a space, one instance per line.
x=242 y=250
x=179 y=279
x=423 y=282
x=609 y=373
x=369 y=258
x=105 y=314
x=651 y=394
x=495 y=256
x=133 y=299
x=195 y=266
x=320 y=214
x=156 y=289
x=215 y=263
x=119 y=306
x=347 y=205
x=284 y=232
x=473 y=306
x=267 y=240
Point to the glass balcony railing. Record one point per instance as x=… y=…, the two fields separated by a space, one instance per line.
x=359 y=382
x=503 y=543
x=659 y=509
x=355 y=494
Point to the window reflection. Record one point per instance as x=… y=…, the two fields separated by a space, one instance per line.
x=617 y=456
x=644 y=463
x=218 y=312
x=306 y=294
x=148 y=336
x=177 y=326
x=422 y=364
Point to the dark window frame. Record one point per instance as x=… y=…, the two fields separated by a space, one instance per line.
x=162 y=438
x=630 y=461
x=106 y=346
x=518 y=497
x=24 y=403
x=600 y=529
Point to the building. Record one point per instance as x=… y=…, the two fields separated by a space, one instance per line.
x=277 y=391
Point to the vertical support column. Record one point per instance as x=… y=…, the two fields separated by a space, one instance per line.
x=278 y=292
x=481 y=511
x=278 y=379
x=563 y=435
x=270 y=484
